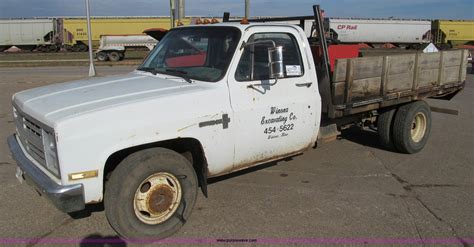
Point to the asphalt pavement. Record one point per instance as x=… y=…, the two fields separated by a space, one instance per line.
x=347 y=191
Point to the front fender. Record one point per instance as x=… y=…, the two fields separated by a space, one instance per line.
x=86 y=143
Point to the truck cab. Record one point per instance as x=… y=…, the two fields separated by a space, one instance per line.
x=253 y=108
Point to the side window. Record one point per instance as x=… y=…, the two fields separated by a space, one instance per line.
x=253 y=64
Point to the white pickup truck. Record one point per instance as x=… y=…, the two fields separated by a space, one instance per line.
x=210 y=100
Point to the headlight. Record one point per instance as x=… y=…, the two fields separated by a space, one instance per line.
x=50 y=152
x=15 y=115
x=15 y=119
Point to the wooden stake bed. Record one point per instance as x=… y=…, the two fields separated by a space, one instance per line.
x=368 y=83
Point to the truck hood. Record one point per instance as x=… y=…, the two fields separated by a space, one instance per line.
x=50 y=104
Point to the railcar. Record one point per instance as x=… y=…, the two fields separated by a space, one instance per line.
x=70 y=33
x=374 y=32
x=451 y=33
x=27 y=34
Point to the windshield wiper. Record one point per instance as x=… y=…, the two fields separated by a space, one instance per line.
x=147 y=69
x=175 y=72
x=180 y=73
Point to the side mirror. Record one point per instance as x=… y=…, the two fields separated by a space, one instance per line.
x=275 y=62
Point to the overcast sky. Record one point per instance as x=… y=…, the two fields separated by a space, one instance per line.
x=432 y=9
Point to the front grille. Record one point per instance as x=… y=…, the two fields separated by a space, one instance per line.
x=31 y=136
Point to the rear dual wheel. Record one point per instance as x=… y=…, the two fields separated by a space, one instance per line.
x=412 y=127
x=384 y=128
x=114 y=56
x=407 y=128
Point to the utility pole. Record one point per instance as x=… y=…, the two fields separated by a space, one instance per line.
x=247 y=9
x=89 y=35
x=180 y=10
x=172 y=11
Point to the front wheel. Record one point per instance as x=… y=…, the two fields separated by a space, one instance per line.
x=411 y=127
x=150 y=194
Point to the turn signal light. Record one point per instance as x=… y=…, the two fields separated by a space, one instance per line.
x=244 y=21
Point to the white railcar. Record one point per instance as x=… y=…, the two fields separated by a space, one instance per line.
x=380 y=31
x=26 y=33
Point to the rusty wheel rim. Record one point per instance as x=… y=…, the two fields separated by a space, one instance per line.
x=418 y=127
x=157 y=198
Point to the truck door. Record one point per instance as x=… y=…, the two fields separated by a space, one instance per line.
x=272 y=119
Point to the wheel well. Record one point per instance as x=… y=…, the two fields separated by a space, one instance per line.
x=190 y=148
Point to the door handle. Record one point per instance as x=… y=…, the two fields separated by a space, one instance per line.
x=262 y=84
x=306 y=84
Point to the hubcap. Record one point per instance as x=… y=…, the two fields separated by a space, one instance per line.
x=418 y=127
x=157 y=198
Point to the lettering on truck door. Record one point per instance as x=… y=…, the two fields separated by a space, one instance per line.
x=271 y=119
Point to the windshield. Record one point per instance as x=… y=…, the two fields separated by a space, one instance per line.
x=201 y=53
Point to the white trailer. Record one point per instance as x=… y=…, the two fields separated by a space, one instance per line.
x=26 y=33
x=113 y=47
x=381 y=31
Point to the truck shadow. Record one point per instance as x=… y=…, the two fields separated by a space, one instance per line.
x=363 y=137
x=90 y=208
x=241 y=172
x=97 y=240
x=248 y=170
x=354 y=134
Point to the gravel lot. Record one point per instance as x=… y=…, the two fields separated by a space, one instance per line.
x=347 y=191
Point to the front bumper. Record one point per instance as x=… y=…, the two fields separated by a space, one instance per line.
x=67 y=198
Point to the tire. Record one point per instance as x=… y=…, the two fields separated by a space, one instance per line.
x=53 y=48
x=114 y=56
x=130 y=190
x=82 y=47
x=102 y=56
x=384 y=128
x=412 y=127
x=75 y=48
x=68 y=48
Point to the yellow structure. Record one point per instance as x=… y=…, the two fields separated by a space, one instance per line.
x=456 y=32
x=75 y=29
